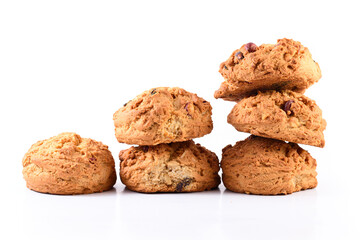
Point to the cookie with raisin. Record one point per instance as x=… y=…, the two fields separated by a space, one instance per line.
x=286 y=65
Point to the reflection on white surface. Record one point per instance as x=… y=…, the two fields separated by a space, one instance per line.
x=170 y=215
x=271 y=216
x=60 y=217
x=217 y=214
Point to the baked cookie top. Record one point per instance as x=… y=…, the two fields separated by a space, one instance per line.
x=174 y=167
x=284 y=115
x=259 y=151
x=285 y=65
x=69 y=164
x=163 y=115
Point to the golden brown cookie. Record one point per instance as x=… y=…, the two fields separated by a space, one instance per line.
x=284 y=115
x=268 y=167
x=69 y=164
x=163 y=115
x=285 y=65
x=174 y=167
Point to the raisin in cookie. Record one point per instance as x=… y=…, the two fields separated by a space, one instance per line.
x=285 y=65
x=69 y=164
x=163 y=115
x=284 y=115
x=174 y=167
x=268 y=167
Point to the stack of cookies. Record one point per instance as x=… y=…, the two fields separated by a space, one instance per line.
x=268 y=83
x=163 y=121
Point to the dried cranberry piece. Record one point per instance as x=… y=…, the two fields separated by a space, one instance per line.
x=287 y=105
x=187 y=106
x=239 y=55
x=250 y=47
x=183 y=183
x=153 y=91
x=92 y=160
x=187 y=109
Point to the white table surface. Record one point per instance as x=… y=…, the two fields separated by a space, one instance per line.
x=219 y=214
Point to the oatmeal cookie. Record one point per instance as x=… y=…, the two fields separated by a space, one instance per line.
x=266 y=166
x=283 y=115
x=174 y=167
x=69 y=164
x=285 y=65
x=163 y=115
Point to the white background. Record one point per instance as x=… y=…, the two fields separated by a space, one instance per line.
x=69 y=65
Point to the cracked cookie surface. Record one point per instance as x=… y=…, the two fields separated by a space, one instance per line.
x=174 y=167
x=163 y=115
x=283 y=115
x=266 y=166
x=69 y=164
x=285 y=65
